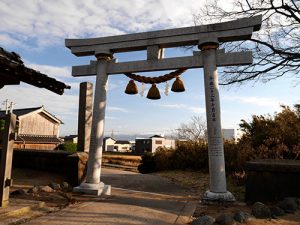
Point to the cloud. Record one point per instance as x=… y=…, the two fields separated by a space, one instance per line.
x=46 y=23
x=183 y=106
x=116 y=109
x=52 y=71
x=254 y=100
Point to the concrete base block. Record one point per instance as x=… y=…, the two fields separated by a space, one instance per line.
x=93 y=189
x=218 y=197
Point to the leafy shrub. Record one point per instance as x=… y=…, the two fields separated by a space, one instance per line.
x=68 y=146
x=147 y=163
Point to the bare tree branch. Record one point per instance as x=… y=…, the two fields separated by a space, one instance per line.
x=276 y=47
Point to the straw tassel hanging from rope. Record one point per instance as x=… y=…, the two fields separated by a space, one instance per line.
x=131 y=88
x=153 y=93
x=178 y=85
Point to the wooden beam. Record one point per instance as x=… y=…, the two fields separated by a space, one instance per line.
x=223 y=59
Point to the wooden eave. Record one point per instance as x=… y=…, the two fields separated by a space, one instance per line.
x=13 y=71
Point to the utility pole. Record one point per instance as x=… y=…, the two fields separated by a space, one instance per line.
x=11 y=106
x=6 y=106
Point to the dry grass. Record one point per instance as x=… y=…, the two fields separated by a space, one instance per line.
x=195 y=180
x=120 y=159
x=199 y=182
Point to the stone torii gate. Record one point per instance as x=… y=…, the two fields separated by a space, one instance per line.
x=207 y=38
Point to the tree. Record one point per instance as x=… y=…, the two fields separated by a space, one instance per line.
x=194 y=130
x=275 y=136
x=276 y=47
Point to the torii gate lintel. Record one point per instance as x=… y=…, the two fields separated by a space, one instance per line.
x=209 y=58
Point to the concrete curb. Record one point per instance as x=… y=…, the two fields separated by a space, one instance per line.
x=185 y=215
x=22 y=211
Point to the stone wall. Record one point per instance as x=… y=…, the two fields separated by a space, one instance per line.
x=272 y=180
x=71 y=166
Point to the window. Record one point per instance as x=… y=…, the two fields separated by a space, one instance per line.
x=158 y=142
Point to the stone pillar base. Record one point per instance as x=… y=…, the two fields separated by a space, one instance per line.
x=218 y=197
x=93 y=189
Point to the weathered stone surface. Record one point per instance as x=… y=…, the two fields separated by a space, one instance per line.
x=18 y=192
x=33 y=190
x=289 y=205
x=236 y=30
x=276 y=211
x=54 y=186
x=46 y=189
x=240 y=216
x=261 y=211
x=225 y=219
x=204 y=220
x=65 y=186
x=223 y=59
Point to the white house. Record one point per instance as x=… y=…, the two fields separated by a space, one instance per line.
x=152 y=143
x=112 y=145
x=122 y=146
x=108 y=144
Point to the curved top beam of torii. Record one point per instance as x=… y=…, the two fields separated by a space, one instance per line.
x=236 y=30
x=155 y=41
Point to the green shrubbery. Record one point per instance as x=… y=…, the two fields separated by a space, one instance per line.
x=265 y=137
x=68 y=147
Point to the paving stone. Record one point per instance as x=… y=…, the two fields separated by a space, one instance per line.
x=65 y=186
x=289 y=205
x=261 y=211
x=204 y=220
x=276 y=212
x=240 y=216
x=225 y=219
x=54 y=186
x=46 y=189
x=33 y=190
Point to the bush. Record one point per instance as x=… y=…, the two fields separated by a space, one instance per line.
x=68 y=147
x=147 y=163
x=265 y=137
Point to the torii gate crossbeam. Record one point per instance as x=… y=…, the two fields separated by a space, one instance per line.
x=207 y=37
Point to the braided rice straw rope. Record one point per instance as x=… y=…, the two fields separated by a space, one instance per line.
x=156 y=80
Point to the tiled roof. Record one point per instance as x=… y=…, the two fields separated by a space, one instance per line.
x=20 y=112
x=121 y=142
x=27 y=138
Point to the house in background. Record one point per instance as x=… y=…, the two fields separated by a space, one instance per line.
x=122 y=146
x=112 y=145
x=108 y=144
x=152 y=143
x=37 y=129
x=71 y=139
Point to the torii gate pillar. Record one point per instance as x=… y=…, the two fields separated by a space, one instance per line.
x=217 y=187
x=93 y=185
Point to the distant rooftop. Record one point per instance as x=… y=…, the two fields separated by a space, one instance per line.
x=24 y=111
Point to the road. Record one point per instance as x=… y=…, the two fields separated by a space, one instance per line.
x=136 y=199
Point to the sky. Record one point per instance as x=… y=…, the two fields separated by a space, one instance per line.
x=36 y=29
